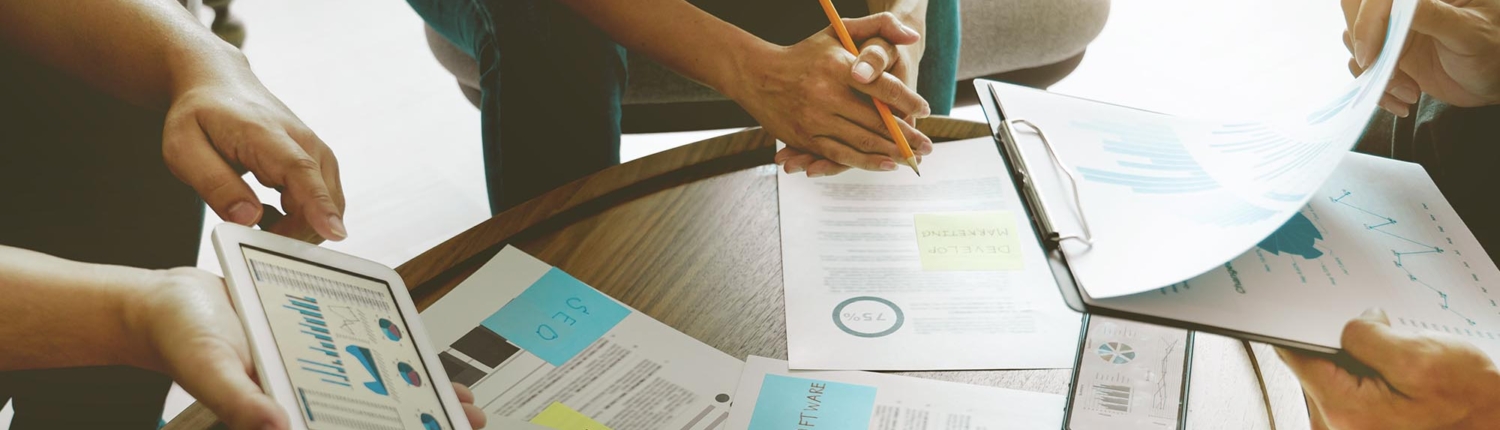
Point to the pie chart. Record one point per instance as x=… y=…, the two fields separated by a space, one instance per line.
x=391 y=331
x=430 y=423
x=409 y=374
x=1116 y=352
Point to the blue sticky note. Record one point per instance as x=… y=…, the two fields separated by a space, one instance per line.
x=556 y=318
x=786 y=402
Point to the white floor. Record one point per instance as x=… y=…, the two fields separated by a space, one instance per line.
x=359 y=73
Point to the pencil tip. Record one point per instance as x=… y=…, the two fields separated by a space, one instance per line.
x=913 y=163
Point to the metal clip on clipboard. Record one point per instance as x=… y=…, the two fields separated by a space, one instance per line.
x=1052 y=238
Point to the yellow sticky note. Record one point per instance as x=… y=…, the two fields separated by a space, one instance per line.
x=561 y=417
x=968 y=241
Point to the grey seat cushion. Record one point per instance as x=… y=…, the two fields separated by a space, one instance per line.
x=998 y=36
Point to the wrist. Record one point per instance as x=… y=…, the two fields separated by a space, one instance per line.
x=213 y=62
x=131 y=289
x=735 y=78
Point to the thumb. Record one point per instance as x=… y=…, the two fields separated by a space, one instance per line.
x=1320 y=377
x=217 y=377
x=1452 y=26
x=194 y=161
x=884 y=25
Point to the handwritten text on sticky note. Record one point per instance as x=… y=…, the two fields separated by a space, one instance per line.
x=561 y=417
x=787 y=402
x=968 y=241
x=556 y=318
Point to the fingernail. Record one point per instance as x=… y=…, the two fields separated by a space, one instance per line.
x=337 y=225
x=888 y=165
x=1406 y=93
x=925 y=148
x=910 y=31
x=864 y=71
x=794 y=170
x=1359 y=55
x=243 y=213
x=814 y=174
x=1372 y=313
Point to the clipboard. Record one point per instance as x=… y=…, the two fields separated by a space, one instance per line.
x=1004 y=129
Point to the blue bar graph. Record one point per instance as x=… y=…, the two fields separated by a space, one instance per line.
x=305 y=312
x=327 y=366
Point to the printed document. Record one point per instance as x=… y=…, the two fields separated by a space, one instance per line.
x=774 y=398
x=1168 y=198
x=537 y=345
x=891 y=271
x=1379 y=234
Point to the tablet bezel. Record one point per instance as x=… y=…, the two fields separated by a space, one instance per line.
x=228 y=238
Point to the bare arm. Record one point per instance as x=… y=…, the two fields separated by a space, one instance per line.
x=697 y=44
x=143 y=51
x=59 y=313
x=220 y=120
x=802 y=94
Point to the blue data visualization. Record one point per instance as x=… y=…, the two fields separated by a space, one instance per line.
x=368 y=360
x=1297 y=237
x=390 y=329
x=430 y=423
x=328 y=367
x=409 y=374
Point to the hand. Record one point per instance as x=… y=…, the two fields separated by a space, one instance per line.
x=188 y=330
x=476 y=416
x=806 y=96
x=877 y=54
x=1423 y=382
x=1452 y=53
x=230 y=123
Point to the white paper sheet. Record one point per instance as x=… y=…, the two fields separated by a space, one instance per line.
x=857 y=296
x=639 y=375
x=1169 y=198
x=1130 y=377
x=898 y=403
x=1378 y=234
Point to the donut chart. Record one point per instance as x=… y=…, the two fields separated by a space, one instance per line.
x=430 y=423
x=390 y=329
x=1116 y=352
x=409 y=374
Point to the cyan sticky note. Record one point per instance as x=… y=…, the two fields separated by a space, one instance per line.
x=787 y=402
x=556 y=318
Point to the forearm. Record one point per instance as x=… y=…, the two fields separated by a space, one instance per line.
x=678 y=35
x=142 y=51
x=60 y=313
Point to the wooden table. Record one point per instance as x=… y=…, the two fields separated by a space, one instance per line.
x=691 y=237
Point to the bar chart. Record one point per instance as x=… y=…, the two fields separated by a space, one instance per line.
x=328 y=366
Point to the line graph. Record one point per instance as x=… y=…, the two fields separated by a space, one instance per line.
x=1410 y=249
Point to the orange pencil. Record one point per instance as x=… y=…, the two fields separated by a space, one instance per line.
x=885 y=112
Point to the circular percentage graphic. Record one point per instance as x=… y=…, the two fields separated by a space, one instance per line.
x=868 y=316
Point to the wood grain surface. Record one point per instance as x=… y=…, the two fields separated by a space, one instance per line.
x=691 y=237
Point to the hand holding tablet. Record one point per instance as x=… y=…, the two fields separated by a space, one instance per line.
x=335 y=339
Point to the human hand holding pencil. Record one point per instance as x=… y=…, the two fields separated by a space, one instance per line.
x=887 y=140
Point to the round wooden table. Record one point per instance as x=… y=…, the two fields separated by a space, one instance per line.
x=691 y=237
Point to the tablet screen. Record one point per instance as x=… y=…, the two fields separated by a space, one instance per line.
x=345 y=347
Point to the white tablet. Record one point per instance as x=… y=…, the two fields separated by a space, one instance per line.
x=335 y=338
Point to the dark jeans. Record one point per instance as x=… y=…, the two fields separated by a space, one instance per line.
x=82 y=178
x=552 y=83
x=1459 y=148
